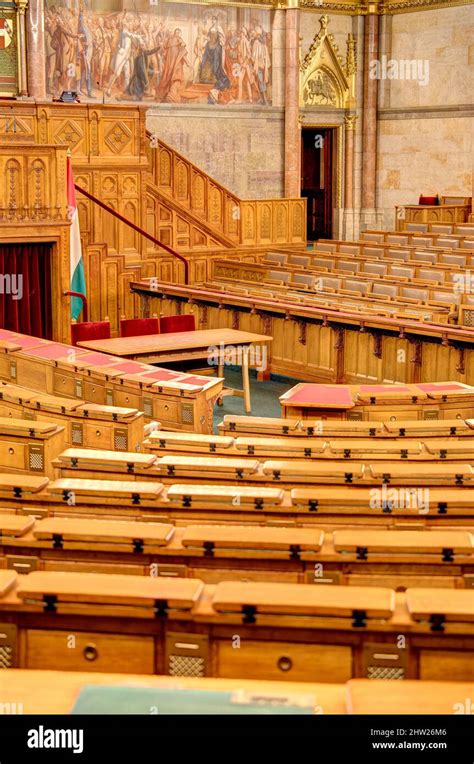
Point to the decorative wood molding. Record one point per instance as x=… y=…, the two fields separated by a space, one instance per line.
x=302 y=327
x=461 y=365
x=378 y=341
x=339 y=340
x=235 y=319
x=267 y=322
x=202 y=318
x=416 y=358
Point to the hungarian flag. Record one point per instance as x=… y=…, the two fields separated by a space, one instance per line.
x=78 y=281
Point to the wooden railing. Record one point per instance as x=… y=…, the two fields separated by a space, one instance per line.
x=136 y=228
x=182 y=180
x=232 y=221
x=427 y=213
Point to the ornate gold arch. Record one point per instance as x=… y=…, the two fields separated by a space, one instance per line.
x=325 y=79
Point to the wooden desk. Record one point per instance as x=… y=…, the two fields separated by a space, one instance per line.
x=55 y=692
x=291 y=632
x=185 y=346
x=27 y=689
x=378 y=402
x=407 y=697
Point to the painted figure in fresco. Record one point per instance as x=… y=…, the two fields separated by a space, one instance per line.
x=213 y=70
x=199 y=48
x=123 y=54
x=174 y=60
x=142 y=72
x=50 y=28
x=156 y=38
x=246 y=75
x=232 y=49
x=84 y=53
x=104 y=43
x=261 y=62
x=63 y=43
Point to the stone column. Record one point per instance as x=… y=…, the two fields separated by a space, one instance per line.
x=292 y=128
x=36 y=50
x=369 y=118
x=23 y=67
x=349 y=130
x=278 y=58
x=349 y=124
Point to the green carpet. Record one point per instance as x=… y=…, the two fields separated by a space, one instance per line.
x=263 y=395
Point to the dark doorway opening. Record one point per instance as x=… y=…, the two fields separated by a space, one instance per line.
x=317 y=180
x=25 y=288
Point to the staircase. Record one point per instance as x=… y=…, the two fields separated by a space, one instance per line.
x=189 y=209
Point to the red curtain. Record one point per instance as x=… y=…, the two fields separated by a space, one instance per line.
x=25 y=288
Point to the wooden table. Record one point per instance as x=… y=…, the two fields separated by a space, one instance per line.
x=185 y=346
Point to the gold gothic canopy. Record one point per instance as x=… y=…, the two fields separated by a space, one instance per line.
x=325 y=80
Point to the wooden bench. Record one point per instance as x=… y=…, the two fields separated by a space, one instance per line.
x=213 y=552
x=87 y=463
x=295 y=632
x=175 y=442
x=329 y=428
x=107 y=492
x=326 y=505
x=387 y=500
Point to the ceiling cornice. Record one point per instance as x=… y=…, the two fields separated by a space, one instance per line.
x=346 y=7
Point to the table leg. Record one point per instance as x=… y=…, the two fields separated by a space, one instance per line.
x=245 y=378
x=220 y=373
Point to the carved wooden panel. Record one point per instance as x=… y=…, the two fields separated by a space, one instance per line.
x=273 y=221
x=198 y=194
x=32 y=183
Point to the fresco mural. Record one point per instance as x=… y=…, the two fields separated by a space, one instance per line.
x=110 y=50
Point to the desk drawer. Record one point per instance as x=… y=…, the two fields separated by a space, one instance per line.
x=67 y=384
x=13 y=456
x=402 y=581
x=439 y=665
x=94 y=392
x=290 y=661
x=93 y=566
x=98 y=436
x=89 y=651
x=392 y=415
x=165 y=410
x=126 y=398
x=214 y=575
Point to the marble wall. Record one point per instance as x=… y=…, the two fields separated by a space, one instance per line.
x=426 y=126
x=242 y=148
